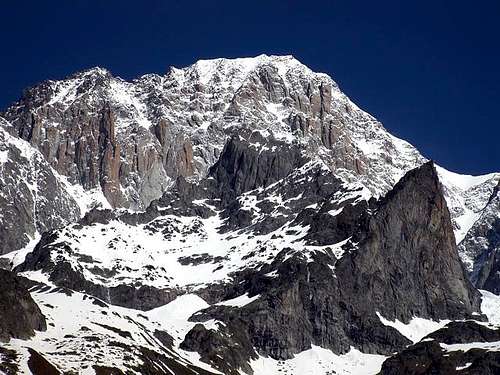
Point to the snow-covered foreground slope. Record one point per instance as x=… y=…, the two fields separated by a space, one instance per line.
x=84 y=334
x=77 y=320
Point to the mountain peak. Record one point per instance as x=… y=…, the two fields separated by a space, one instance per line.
x=237 y=69
x=95 y=71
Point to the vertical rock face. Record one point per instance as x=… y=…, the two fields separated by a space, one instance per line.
x=176 y=150
x=20 y=315
x=109 y=170
x=409 y=265
x=243 y=167
x=73 y=123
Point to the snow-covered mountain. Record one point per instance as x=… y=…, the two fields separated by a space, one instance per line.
x=236 y=215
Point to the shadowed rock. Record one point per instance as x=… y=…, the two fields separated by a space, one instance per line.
x=19 y=314
x=429 y=357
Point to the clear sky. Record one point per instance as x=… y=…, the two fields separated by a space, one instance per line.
x=429 y=70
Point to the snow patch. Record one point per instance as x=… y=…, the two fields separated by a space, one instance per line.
x=317 y=361
x=491 y=346
x=416 y=329
x=240 y=301
x=490 y=306
x=4 y=156
x=15 y=258
x=468 y=364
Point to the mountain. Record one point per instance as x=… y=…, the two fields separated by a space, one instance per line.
x=237 y=215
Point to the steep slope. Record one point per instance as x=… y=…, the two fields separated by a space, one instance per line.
x=131 y=140
x=467 y=197
x=86 y=336
x=481 y=244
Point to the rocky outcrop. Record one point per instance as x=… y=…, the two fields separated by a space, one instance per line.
x=410 y=234
x=38 y=365
x=20 y=315
x=243 y=166
x=465 y=332
x=430 y=356
x=228 y=350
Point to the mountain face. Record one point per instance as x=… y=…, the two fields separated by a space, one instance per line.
x=32 y=197
x=481 y=245
x=235 y=216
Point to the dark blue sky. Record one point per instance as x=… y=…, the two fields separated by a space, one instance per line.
x=429 y=70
